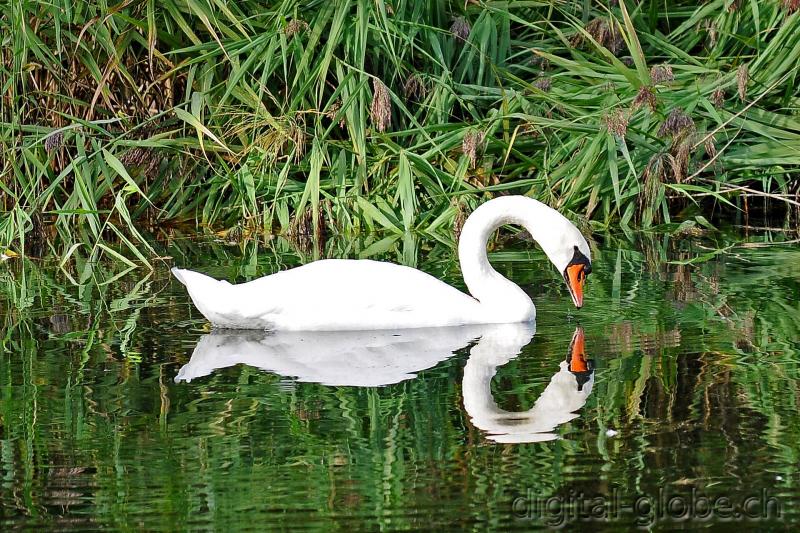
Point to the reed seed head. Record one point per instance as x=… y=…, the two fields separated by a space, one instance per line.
x=145 y=158
x=460 y=28
x=605 y=33
x=295 y=26
x=652 y=182
x=333 y=110
x=741 y=81
x=459 y=218
x=134 y=157
x=661 y=74
x=676 y=123
x=711 y=148
x=54 y=142
x=679 y=159
x=711 y=32
x=645 y=96
x=791 y=5
x=297 y=134
x=616 y=122
x=543 y=84
x=472 y=145
x=598 y=29
x=718 y=97
x=381 y=108
x=415 y=87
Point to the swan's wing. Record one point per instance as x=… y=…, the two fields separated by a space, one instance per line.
x=337 y=294
x=364 y=283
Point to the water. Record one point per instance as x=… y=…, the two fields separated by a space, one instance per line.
x=689 y=396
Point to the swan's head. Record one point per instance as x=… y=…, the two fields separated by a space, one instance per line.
x=575 y=273
x=564 y=245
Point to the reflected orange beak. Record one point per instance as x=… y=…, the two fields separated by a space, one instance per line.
x=575 y=278
x=577 y=362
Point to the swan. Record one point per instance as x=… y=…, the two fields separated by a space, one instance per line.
x=566 y=393
x=376 y=358
x=345 y=294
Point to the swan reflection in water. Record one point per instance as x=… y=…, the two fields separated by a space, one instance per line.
x=375 y=358
x=566 y=393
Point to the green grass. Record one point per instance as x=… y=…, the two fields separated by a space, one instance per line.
x=358 y=115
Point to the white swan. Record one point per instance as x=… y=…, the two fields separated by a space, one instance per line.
x=567 y=391
x=375 y=358
x=339 y=294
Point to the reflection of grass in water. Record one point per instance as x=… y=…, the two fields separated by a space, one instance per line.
x=697 y=369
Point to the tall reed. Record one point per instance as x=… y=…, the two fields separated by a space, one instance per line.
x=360 y=115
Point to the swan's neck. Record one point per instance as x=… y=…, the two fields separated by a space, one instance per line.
x=495 y=292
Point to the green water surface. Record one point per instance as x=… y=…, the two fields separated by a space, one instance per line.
x=693 y=398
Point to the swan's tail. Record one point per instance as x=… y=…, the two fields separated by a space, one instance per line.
x=191 y=278
x=210 y=296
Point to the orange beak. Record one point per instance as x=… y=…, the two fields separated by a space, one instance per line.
x=575 y=278
x=577 y=362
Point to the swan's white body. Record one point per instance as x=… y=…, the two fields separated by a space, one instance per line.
x=375 y=358
x=336 y=294
x=333 y=295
